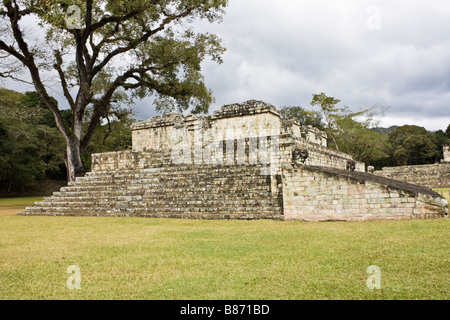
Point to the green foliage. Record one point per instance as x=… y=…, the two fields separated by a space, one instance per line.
x=415 y=150
x=31 y=147
x=441 y=139
x=351 y=132
x=48 y=120
x=413 y=145
x=303 y=116
x=347 y=131
x=327 y=107
x=29 y=151
x=28 y=154
x=399 y=135
x=359 y=140
x=166 y=59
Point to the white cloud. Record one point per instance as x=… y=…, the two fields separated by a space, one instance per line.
x=285 y=51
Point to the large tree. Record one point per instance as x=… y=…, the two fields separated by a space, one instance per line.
x=413 y=145
x=347 y=131
x=105 y=52
x=351 y=131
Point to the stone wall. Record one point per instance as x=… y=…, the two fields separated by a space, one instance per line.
x=248 y=133
x=446 y=151
x=318 y=155
x=321 y=194
x=128 y=160
x=268 y=150
x=232 y=122
x=431 y=176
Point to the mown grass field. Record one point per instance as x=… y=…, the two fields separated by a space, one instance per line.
x=159 y=259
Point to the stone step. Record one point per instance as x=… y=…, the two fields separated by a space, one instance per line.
x=89 y=211
x=167 y=191
x=185 y=167
x=180 y=185
x=271 y=215
x=189 y=182
x=158 y=188
x=168 y=175
x=179 y=180
x=109 y=192
x=161 y=203
x=134 y=195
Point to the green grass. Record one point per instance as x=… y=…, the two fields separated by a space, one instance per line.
x=14 y=204
x=136 y=258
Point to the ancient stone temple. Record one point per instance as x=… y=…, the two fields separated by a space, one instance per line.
x=243 y=162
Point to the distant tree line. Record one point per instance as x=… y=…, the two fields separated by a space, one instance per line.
x=32 y=150
x=357 y=133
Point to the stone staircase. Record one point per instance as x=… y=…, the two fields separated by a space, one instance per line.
x=168 y=191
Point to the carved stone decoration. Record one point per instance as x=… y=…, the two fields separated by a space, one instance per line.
x=178 y=121
x=299 y=155
x=205 y=123
x=351 y=165
x=250 y=107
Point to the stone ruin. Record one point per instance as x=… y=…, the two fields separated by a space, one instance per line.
x=243 y=162
x=434 y=176
x=446 y=151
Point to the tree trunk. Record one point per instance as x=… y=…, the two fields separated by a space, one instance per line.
x=73 y=161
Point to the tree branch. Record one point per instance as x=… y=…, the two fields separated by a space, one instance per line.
x=101 y=106
x=27 y=58
x=109 y=19
x=62 y=77
x=132 y=45
x=12 y=51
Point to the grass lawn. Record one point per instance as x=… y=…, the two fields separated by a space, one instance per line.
x=136 y=258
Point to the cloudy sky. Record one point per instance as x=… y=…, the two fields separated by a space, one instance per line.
x=392 y=53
